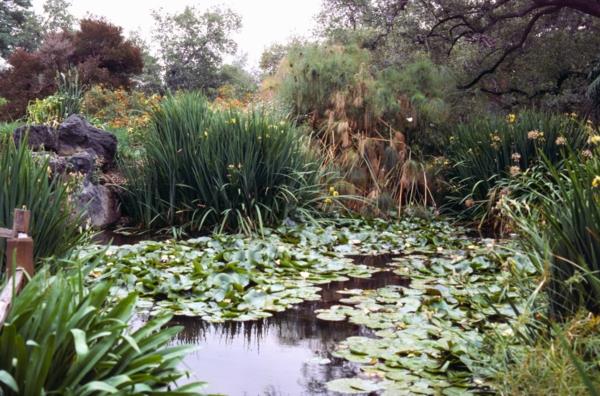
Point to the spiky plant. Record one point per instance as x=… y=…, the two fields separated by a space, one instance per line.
x=61 y=338
x=26 y=182
x=231 y=170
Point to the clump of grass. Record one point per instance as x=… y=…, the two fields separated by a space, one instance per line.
x=60 y=338
x=561 y=232
x=564 y=364
x=26 y=182
x=204 y=168
x=491 y=149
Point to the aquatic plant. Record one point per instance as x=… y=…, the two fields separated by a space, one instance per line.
x=203 y=169
x=62 y=338
x=26 y=182
x=489 y=149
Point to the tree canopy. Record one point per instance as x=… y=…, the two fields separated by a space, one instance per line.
x=192 y=45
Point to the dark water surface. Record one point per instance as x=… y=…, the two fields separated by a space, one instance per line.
x=281 y=355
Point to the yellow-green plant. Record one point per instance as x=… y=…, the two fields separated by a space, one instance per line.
x=490 y=149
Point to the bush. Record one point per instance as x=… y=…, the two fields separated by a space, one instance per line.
x=120 y=109
x=491 y=149
x=60 y=338
x=564 y=362
x=561 y=232
x=55 y=108
x=203 y=168
x=26 y=183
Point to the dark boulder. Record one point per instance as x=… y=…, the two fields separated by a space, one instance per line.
x=83 y=162
x=39 y=137
x=99 y=204
x=75 y=135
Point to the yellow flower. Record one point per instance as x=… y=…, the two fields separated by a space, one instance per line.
x=596 y=182
x=335 y=193
x=328 y=201
x=595 y=139
x=511 y=118
x=331 y=189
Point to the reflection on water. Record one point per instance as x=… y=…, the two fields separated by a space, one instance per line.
x=281 y=355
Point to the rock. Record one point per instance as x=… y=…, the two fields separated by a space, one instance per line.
x=40 y=137
x=99 y=204
x=75 y=135
x=83 y=162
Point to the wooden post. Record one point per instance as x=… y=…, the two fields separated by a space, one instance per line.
x=19 y=248
x=21 y=219
x=19 y=254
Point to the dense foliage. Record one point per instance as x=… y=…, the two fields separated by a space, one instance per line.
x=26 y=182
x=193 y=45
x=61 y=338
x=490 y=149
x=561 y=232
x=203 y=168
x=98 y=51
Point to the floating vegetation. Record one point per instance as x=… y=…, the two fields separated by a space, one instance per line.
x=430 y=336
x=231 y=277
x=426 y=336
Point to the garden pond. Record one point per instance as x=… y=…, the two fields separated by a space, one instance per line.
x=357 y=307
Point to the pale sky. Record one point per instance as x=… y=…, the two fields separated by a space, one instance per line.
x=263 y=21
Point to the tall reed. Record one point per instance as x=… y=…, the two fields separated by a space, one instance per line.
x=490 y=149
x=203 y=168
x=26 y=182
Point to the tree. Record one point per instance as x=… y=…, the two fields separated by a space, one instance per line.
x=57 y=16
x=150 y=79
x=98 y=51
x=379 y=17
x=193 y=45
x=272 y=56
x=516 y=52
x=481 y=22
x=18 y=26
x=103 y=55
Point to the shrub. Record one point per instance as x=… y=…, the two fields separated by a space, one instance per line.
x=204 y=168
x=367 y=117
x=61 y=338
x=98 y=51
x=118 y=109
x=26 y=183
x=55 y=108
x=564 y=362
x=562 y=233
x=490 y=149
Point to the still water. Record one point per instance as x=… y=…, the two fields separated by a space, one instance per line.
x=287 y=354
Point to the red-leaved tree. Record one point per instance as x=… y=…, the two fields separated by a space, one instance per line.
x=98 y=51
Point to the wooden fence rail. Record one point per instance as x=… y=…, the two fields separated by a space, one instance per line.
x=19 y=257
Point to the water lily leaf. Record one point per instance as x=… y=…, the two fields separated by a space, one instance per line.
x=353 y=386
